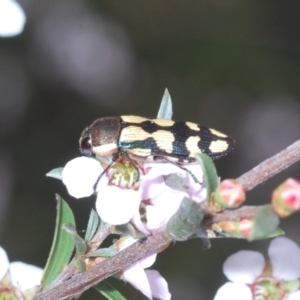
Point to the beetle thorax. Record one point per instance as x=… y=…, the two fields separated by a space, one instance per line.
x=104 y=134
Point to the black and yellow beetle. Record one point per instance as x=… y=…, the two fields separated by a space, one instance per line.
x=140 y=138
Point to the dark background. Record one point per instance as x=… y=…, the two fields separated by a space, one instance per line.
x=231 y=65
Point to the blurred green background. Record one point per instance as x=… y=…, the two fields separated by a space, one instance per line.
x=231 y=65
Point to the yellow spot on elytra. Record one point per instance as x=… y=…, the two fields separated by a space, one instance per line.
x=164 y=139
x=218 y=146
x=193 y=126
x=133 y=119
x=192 y=145
x=217 y=133
x=163 y=122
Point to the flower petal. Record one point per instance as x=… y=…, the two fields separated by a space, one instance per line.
x=138 y=224
x=233 y=291
x=158 y=285
x=156 y=170
x=244 y=266
x=25 y=276
x=4 y=263
x=285 y=258
x=136 y=276
x=294 y=296
x=151 y=188
x=196 y=191
x=115 y=205
x=163 y=208
x=80 y=175
x=12 y=18
x=148 y=261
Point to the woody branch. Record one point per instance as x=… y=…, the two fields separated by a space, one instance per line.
x=77 y=284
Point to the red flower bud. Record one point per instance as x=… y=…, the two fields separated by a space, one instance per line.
x=229 y=194
x=238 y=228
x=286 y=198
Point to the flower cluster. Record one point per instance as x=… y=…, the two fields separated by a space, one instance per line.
x=149 y=204
x=18 y=280
x=12 y=18
x=286 y=198
x=254 y=279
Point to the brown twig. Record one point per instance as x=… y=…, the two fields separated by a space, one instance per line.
x=83 y=281
x=270 y=167
x=96 y=241
x=244 y=212
x=153 y=244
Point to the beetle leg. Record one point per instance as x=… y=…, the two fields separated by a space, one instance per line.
x=183 y=168
x=114 y=158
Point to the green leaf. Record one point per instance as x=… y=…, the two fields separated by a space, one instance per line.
x=8 y=295
x=55 y=173
x=107 y=290
x=175 y=182
x=265 y=224
x=291 y=285
x=165 y=109
x=127 y=229
x=186 y=221
x=79 y=264
x=277 y=232
x=209 y=172
x=62 y=246
x=80 y=244
x=103 y=252
x=93 y=225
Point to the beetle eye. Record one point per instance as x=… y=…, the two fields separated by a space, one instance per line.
x=86 y=146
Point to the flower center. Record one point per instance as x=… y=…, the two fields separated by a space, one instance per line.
x=268 y=288
x=124 y=173
x=10 y=293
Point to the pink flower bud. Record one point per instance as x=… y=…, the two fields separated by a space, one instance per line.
x=286 y=198
x=245 y=227
x=229 y=194
x=238 y=228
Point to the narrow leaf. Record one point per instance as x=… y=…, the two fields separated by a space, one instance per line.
x=127 y=229
x=80 y=243
x=277 y=232
x=107 y=290
x=79 y=264
x=175 y=182
x=103 y=252
x=266 y=224
x=55 y=173
x=62 y=245
x=186 y=221
x=209 y=172
x=93 y=225
x=165 y=109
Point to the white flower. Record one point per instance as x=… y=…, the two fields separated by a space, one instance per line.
x=119 y=203
x=25 y=276
x=254 y=279
x=80 y=174
x=4 y=263
x=12 y=18
x=149 y=282
x=22 y=277
x=116 y=205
